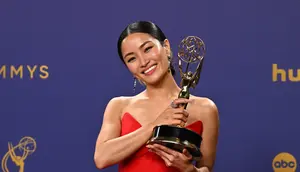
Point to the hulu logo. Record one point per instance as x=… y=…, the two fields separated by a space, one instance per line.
x=283 y=75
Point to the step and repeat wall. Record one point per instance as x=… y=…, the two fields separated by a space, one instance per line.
x=59 y=67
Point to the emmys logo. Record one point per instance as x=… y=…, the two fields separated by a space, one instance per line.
x=284 y=162
x=26 y=146
x=30 y=71
x=293 y=75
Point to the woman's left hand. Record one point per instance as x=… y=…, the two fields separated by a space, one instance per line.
x=172 y=158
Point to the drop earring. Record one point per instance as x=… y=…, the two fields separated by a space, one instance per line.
x=169 y=59
x=134 y=84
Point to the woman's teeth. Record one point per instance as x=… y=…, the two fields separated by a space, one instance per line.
x=148 y=70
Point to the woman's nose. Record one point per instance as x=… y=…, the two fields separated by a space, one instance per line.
x=144 y=62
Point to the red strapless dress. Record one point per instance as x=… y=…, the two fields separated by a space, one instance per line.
x=143 y=160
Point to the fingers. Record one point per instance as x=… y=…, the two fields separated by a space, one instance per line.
x=163 y=156
x=181 y=111
x=168 y=158
x=168 y=155
x=178 y=122
x=167 y=162
x=180 y=101
x=164 y=152
x=180 y=116
x=187 y=154
x=175 y=115
x=179 y=119
x=165 y=149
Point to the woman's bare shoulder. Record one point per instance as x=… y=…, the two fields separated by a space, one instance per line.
x=127 y=100
x=206 y=106
x=120 y=104
x=203 y=101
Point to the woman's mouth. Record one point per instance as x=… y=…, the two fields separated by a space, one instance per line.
x=150 y=70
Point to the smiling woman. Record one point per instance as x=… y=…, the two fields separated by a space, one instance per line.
x=128 y=122
x=146 y=40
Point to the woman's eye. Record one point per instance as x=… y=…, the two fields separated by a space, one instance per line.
x=148 y=49
x=130 y=59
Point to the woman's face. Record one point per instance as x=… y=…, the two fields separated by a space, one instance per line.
x=145 y=57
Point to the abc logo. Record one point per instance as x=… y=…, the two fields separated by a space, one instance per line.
x=284 y=162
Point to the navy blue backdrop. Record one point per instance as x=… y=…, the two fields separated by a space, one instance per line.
x=59 y=67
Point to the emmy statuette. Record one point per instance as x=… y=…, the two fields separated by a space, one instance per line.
x=191 y=52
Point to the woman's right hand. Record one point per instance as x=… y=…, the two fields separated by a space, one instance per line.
x=175 y=114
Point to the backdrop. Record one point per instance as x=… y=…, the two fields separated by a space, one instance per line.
x=59 y=67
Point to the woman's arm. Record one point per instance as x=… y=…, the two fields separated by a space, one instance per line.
x=181 y=160
x=110 y=147
x=209 y=135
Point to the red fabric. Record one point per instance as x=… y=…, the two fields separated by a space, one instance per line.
x=143 y=160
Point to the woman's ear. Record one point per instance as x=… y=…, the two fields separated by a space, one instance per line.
x=167 y=47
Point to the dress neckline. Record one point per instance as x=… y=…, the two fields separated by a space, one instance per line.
x=189 y=125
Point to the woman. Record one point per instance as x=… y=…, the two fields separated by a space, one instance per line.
x=128 y=122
